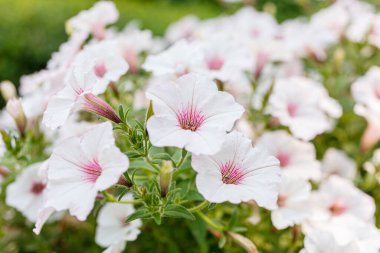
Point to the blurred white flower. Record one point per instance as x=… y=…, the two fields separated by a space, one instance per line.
x=2 y=147
x=112 y=230
x=26 y=193
x=292 y=201
x=179 y=59
x=371 y=135
x=238 y=172
x=82 y=166
x=338 y=197
x=191 y=113
x=94 y=20
x=304 y=106
x=336 y=162
x=185 y=28
x=366 y=90
x=297 y=158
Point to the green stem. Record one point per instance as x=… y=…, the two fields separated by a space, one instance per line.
x=112 y=199
x=179 y=164
x=199 y=207
x=209 y=221
x=147 y=159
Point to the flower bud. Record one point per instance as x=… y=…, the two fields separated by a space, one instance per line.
x=14 y=108
x=8 y=90
x=165 y=177
x=96 y=105
x=244 y=242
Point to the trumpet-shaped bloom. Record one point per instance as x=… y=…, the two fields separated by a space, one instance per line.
x=336 y=198
x=297 y=158
x=94 y=20
x=304 y=106
x=82 y=166
x=336 y=162
x=191 y=113
x=238 y=172
x=92 y=71
x=291 y=202
x=27 y=191
x=112 y=230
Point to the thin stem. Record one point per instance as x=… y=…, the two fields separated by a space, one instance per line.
x=179 y=164
x=209 y=221
x=147 y=159
x=199 y=207
x=112 y=199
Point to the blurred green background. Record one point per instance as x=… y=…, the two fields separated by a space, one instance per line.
x=30 y=30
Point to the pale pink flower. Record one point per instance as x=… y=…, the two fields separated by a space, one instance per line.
x=191 y=113
x=179 y=59
x=292 y=201
x=336 y=198
x=297 y=158
x=336 y=162
x=27 y=191
x=112 y=230
x=304 y=106
x=238 y=172
x=82 y=166
x=94 y=20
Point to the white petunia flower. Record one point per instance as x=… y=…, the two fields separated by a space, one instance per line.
x=336 y=162
x=27 y=191
x=238 y=172
x=185 y=28
x=297 y=158
x=82 y=166
x=181 y=58
x=338 y=197
x=94 y=20
x=112 y=231
x=366 y=90
x=94 y=68
x=320 y=241
x=304 y=106
x=191 y=113
x=291 y=203
x=371 y=135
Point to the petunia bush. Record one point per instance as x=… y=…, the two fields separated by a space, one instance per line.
x=233 y=134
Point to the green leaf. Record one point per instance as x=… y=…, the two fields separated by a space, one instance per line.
x=222 y=241
x=157 y=218
x=149 y=112
x=139 y=214
x=177 y=211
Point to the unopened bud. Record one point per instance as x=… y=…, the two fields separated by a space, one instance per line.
x=8 y=90
x=96 y=105
x=165 y=177
x=244 y=242
x=339 y=56
x=14 y=108
x=124 y=181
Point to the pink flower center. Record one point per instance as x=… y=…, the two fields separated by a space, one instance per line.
x=338 y=208
x=131 y=57
x=37 y=188
x=281 y=201
x=100 y=70
x=377 y=92
x=98 y=31
x=92 y=171
x=292 y=109
x=215 y=63
x=231 y=173
x=284 y=159
x=190 y=118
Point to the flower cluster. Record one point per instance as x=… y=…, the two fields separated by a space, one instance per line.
x=238 y=122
